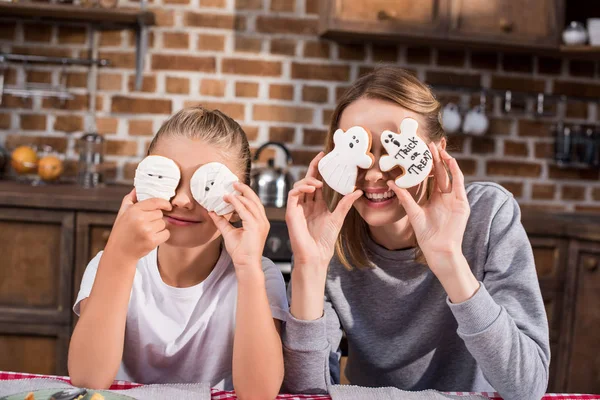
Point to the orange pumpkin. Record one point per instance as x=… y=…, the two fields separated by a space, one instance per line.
x=50 y=168
x=24 y=160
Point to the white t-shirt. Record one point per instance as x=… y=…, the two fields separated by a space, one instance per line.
x=183 y=335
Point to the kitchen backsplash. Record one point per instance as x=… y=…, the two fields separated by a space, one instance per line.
x=262 y=63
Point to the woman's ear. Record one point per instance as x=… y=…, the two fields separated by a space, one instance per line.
x=442 y=145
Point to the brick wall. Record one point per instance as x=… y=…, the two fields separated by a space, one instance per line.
x=262 y=62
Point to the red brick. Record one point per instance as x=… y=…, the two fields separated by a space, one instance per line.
x=282 y=134
x=451 y=58
x=139 y=127
x=176 y=40
x=213 y=3
x=5 y=120
x=285 y=47
x=467 y=166
x=500 y=126
x=121 y=147
x=177 y=85
x=543 y=191
x=59 y=144
x=248 y=4
x=72 y=35
x=314 y=137
x=7 y=30
x=526 y=208
x=33 y=122
x=106 y=126
x=251 y=67
x=518 y=84
x=544 y=150
x=248 y=44
x=315 y=94
x=517 y=62
x=79 y=102
x=581 y=68
x=213 y=87
x=456 y=143
x=136 y=105
x=264 y=112
x=587 y=209
x=37 y=33
x=164 y=17
x=303 y=157
x=327 y=114
x=174 y=62
x=577 y=109
x=119 y=59
x=109 y=82
x=596 y=194
x=281 y=92
x=320 y=72
x=482 y=145
x=211 y=42
x=536 y=128
x=577 y=89
x=509 y=168
x=549 y=65
x=384 y=53
x=573 y=193
x=340 y=91
x=312 y=6
x=283 y=5
x=517 y=149
x=516 y=188
x=68 y=123
x=10 y=76
x=354 y=52
x=484 y=60
x=269 y=24
x=111 y=38
x=234 y=110
x=571 y=173
x=246 y=89
x=251 y=132
x=148 y=84
x=317 y=49
x=39 y=76
x=449 y=78
x=77 y=79
x=9 y=101
x=418 y=55
x=218 y=21
x=42 y=51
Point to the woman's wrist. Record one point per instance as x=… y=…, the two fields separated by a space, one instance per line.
x=454 y=273
x=308 y=291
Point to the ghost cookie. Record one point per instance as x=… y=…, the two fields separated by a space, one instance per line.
x=210 y=183
x=156 y=176
x=407 y=151
x=339 y=168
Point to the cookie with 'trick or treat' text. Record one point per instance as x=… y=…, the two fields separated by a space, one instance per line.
x=156 y=177
x=339 y=168
x=407 y=151
x=210 y=183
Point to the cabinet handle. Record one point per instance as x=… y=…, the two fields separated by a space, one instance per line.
x=506 y=25
x=590 y=263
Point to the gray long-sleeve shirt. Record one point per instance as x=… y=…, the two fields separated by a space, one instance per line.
x=404 y=332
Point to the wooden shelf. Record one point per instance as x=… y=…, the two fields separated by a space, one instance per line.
x=102 y=17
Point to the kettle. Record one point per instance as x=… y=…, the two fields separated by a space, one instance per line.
x=270 y=183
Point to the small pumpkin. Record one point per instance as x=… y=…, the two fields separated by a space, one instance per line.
x=50 y=168
x=24 y=160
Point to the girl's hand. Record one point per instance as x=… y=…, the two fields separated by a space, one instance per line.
x=439 y=224
x=139 y=227
x=244 y=245
x=313 y=229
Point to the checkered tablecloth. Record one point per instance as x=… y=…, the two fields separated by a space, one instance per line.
x=217 y=394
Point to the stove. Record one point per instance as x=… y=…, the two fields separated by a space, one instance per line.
x=278 y=248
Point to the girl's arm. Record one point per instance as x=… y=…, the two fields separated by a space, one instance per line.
x=97 y=342
x=257 y=352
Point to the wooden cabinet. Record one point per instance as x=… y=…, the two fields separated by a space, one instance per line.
x=518 y=23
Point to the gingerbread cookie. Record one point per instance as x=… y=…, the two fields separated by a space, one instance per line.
x=156 y=177
x=351 y=151
x=210 y=183
x=407 y=151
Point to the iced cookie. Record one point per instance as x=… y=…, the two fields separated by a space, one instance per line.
x=407 y=151
x=351 y=149
x=210 y=183
x=156 y=176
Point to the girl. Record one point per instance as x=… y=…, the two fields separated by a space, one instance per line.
x=435 y=287
x=165 y=302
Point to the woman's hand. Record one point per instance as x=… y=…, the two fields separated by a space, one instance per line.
x=245 y=245
x=139 y=227
x=313 y=229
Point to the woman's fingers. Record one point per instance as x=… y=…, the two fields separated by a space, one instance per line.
x=240 y=208
x=344 y=206
x=257 y=207
x=410 y=205
x=439 y=170
x=309 y=181
x=221 y=223
x=458 y=179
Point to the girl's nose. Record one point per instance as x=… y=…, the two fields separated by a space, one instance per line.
x=183 y=197
x=374 y=174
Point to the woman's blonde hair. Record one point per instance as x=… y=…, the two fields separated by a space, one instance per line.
x=397 y=86
x=211 y=126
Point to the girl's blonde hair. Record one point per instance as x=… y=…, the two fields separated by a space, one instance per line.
x=211 y=126
x=397 y=86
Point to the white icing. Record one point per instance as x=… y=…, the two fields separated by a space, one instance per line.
x=210 y=183
x=156 y=177
x=407 y=151
x=339 y=168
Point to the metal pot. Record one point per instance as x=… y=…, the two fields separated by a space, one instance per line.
x=271 y=183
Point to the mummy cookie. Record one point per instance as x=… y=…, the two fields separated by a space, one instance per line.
x=210 y=183
x=351 y=149
x=156 y=176
x=407 y=151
